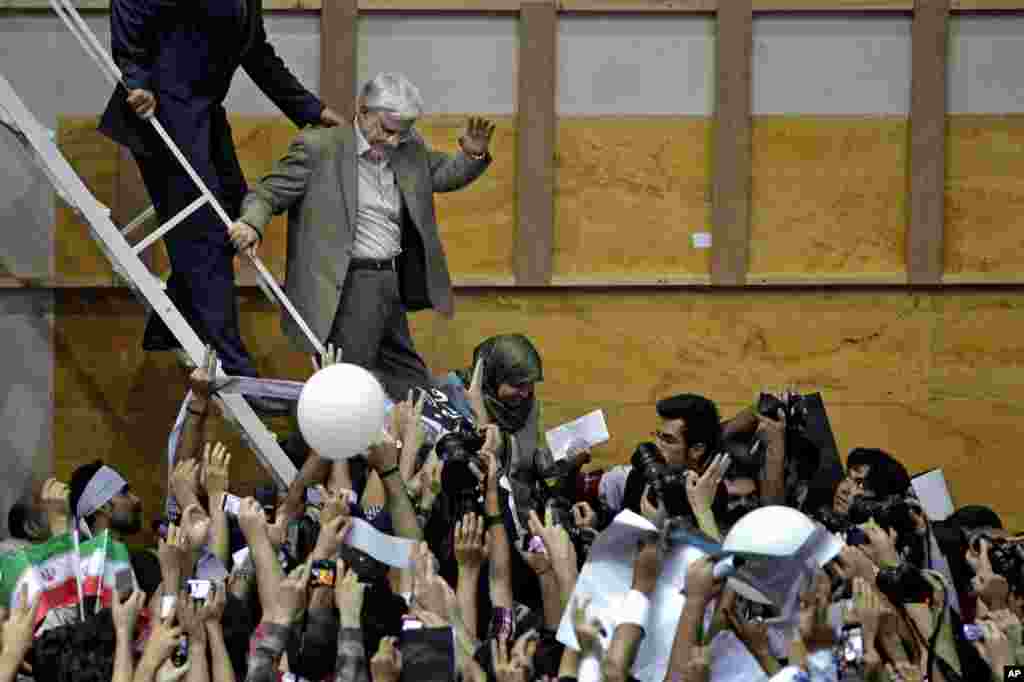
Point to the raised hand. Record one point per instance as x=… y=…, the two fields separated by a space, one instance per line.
x=216 y=467
x=196 y=525
x=386 y=664
x=185 y=479
x=291 y=596
x=700 y=490
x=55 y=496
x=772 y=429
x=251 y=519
x=557 y=543
x=332 y=534
x=430 y=591
x=477 y=138
x=335 y=505
x=125 y=613
x=470 y=542
x=172 y=554
x=407 y=426
x=329 y=356
x=348 y=597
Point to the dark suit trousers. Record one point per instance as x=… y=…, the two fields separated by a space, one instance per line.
x=372 y=329
x=202 y=282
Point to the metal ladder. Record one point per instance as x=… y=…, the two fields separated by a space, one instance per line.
x=124 y=256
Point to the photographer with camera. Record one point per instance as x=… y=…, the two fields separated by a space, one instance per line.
x=688 y=433
x=775 y=429
x=887 y=532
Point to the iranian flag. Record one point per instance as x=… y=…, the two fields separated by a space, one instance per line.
x=49 y=568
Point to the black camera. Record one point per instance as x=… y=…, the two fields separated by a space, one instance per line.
x=1007 y=560
x=904 y=584
x=667 y=483
x=460 y=452
x=889 y=512
x=792 y=407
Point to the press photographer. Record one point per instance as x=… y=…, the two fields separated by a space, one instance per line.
x=688 y=430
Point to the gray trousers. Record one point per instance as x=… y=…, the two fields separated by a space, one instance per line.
x=372 y=329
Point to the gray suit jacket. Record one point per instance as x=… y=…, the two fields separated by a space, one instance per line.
x=317 y=183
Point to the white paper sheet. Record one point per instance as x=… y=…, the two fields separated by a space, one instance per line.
x=607 y=577
x=933 y=493
x=579 y=434
x=386 y=549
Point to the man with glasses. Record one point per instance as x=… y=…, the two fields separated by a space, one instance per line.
x=363 y=242
x=688 y=433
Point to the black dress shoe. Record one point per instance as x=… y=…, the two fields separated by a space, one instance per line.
x=269 y=407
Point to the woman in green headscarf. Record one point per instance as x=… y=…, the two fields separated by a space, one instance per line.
x=510 y=368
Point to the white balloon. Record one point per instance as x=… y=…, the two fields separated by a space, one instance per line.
x=342 y=410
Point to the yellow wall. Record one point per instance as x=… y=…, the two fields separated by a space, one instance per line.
x=933 y=375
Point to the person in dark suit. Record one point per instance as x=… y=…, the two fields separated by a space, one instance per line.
x=363 y=243
x=177 y=61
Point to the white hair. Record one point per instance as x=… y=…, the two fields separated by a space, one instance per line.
x=395 y=93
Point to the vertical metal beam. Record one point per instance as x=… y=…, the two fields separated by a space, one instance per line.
x=536 y=120
x=730 y=191
x=339 y=49
x=924 y=240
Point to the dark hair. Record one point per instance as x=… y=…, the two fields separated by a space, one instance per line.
x=886 y=476
x=313 y=652
x=79 y=480
x=18 y=519
x=976 y=516
x=382 y=615
x=238 y=623
x=77 y=652
x=702 y=422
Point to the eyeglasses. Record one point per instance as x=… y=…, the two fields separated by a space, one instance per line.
x=668 y=438
x=858 y=483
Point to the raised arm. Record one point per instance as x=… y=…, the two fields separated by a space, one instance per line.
x=450 y=172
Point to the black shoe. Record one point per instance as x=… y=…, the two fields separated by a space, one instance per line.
x=269 y=407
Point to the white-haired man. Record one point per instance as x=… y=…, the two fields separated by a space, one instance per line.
x=363 y=243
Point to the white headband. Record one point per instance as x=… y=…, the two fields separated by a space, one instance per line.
x=104 y=485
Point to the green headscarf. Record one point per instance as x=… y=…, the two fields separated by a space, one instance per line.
x=508 y=359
